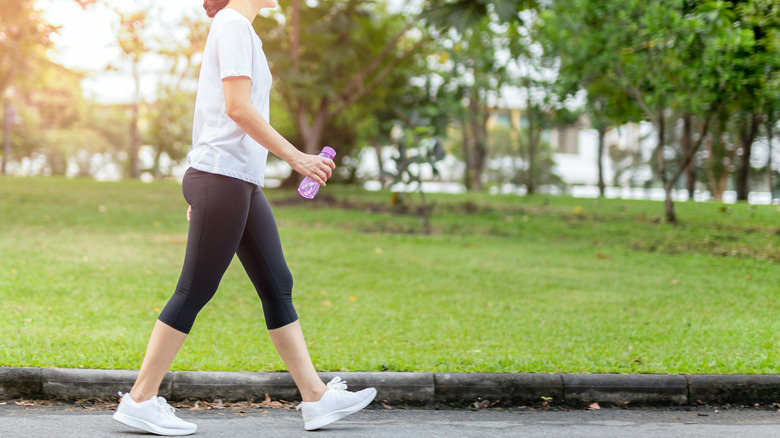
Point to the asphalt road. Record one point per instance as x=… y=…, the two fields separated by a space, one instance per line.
x=69 y=420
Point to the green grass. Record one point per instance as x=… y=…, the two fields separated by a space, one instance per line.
x=506 y=284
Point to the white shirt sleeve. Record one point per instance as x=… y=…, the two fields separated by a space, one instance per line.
x=234 y=50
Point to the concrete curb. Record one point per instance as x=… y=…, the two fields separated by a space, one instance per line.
x=623 y=389
x=409 y=388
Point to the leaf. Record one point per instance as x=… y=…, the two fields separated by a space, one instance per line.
x=594 y=407
x=484 y=404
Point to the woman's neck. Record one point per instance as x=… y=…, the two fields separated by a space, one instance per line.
x=247 y=8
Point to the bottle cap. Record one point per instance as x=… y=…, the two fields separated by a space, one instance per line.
x=327 y=150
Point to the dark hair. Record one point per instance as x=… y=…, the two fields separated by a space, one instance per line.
x=214 y=6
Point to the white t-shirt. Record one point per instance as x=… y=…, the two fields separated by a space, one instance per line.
x=219 y=145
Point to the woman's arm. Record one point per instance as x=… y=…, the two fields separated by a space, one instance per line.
x=248 y=118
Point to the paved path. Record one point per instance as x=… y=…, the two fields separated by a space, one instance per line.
x=65 y=421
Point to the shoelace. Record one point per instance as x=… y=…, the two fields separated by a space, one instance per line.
x=158 y=402
x=335 y=384
x=162 y=405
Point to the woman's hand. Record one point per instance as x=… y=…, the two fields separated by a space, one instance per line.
x=189 y=213
x=315 y=167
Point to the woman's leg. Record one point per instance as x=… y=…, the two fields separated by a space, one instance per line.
x=292 y=348
x=164 y=343
x=261 y=254
x=219 y=211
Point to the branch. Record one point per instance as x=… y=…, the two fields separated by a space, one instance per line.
x=358 y=80
x=347 y=101
x=295 y=33
x=636 y=93
x=692 y=152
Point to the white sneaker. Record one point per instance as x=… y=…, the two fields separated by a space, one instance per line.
x=154 y=415
x=335 y=404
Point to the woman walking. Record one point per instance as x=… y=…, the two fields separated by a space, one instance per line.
x=230 y=215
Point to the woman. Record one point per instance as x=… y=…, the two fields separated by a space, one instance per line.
x=229 y=215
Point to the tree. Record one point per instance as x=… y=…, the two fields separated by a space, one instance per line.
x=564 y=34
x=477 y=30
x=417 y=136
x=331 y=54
x=756 y=64
x=474 y=75
x=132 y=42
x=170 y=118
x=24 y=38
x=772 y=116
x=668 y=57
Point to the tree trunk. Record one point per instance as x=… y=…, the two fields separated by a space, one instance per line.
x=668 y=203
x=770 y=125
x=747 y=134
x=135 y=144
x=466 y=154
x=721 y=179
x=135 y=135
x=155 y=170
x=382 y=177
x=478 y=147
x=716 y=181
x=602 y=133
x=6 y=134
x=311 y=133
x=530 y=186
x=687 y=145
x=720 y=159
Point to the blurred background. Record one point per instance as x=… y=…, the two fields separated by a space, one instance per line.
x=654 y=99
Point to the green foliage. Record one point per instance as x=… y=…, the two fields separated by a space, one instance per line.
x=467 y=14
x=326 y=67
x=699 y=60
x=427 y=151
x=131 y=33
x=539 y=167
x=470 y=73
x=501 y=141
x=74 y=145
x=418 y=147
x=24 y=38
x=170 y=125
x=57 y=122
x=625 y=161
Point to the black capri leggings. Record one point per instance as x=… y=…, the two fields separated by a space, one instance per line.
x=229 y=216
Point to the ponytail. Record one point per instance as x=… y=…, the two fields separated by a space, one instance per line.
x=214 y=6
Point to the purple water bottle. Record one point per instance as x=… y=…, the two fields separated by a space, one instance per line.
x=308 y=188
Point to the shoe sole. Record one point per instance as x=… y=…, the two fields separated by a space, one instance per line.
x=149 y=427
x=338 y=415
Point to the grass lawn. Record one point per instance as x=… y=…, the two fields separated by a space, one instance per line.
x=503 y=284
